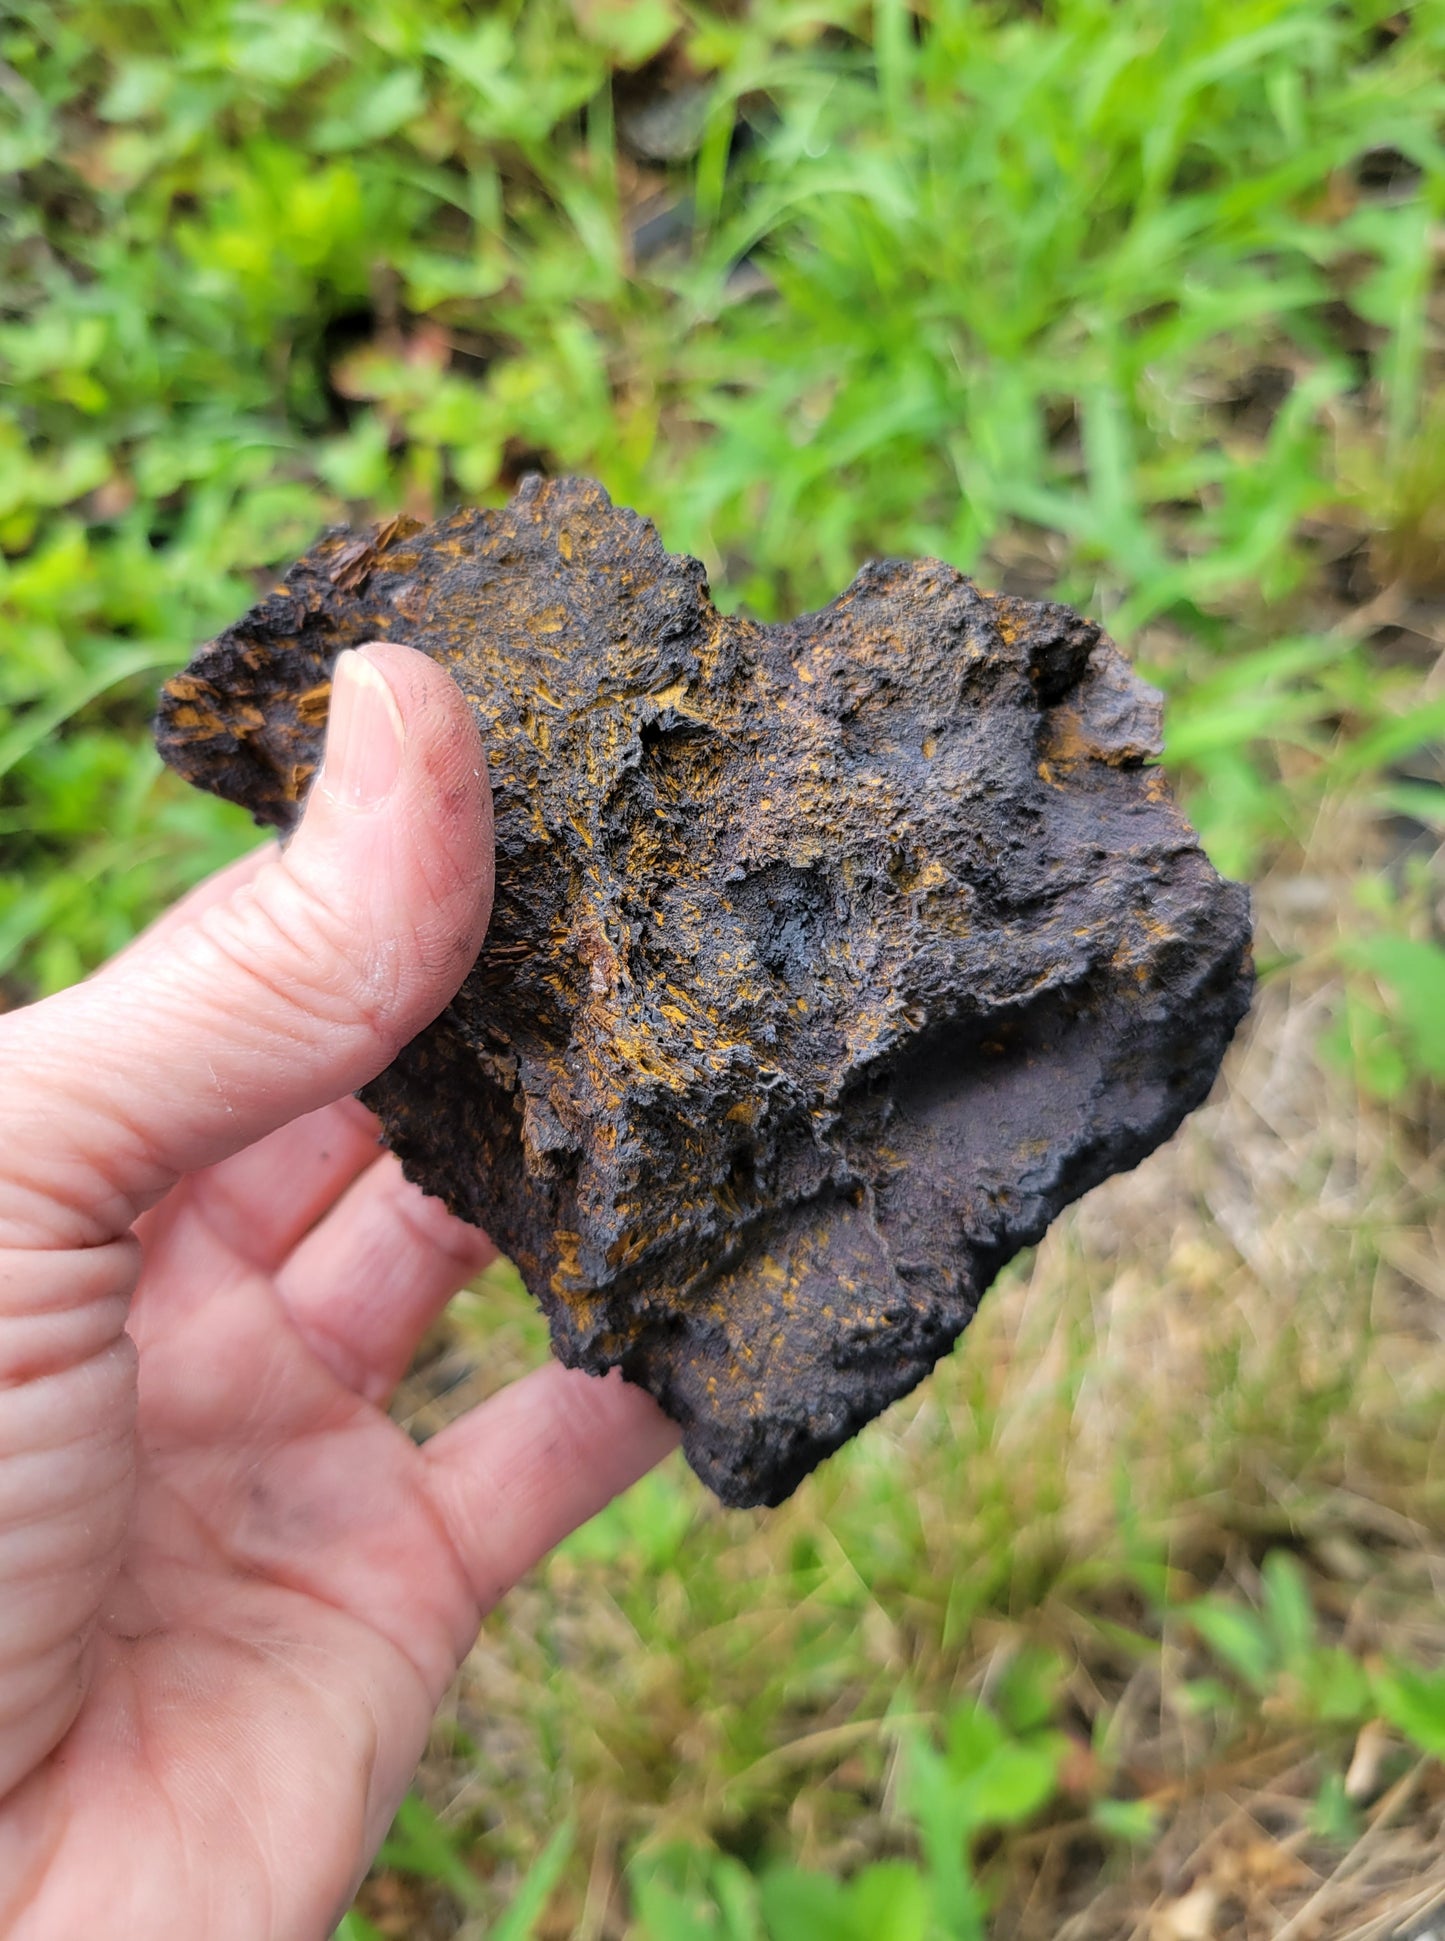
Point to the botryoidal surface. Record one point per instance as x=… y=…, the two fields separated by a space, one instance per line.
x=829 y=960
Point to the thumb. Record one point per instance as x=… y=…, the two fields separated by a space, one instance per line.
x=292 y=991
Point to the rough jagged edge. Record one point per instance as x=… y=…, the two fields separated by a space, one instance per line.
x=1079 y=1174
x=274 y=620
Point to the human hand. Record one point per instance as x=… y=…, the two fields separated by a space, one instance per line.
x=232 y=1592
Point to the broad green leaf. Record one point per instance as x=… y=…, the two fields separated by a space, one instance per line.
x=1338 y=1687
x=1013 y=1785
x=1414 y=1702
x=1237 y=1636
x=890 y=1901
x=974 y=1736
x=802 y=1906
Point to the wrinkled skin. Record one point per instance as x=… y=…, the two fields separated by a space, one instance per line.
x=231 y=1591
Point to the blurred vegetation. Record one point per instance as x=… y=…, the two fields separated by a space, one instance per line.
x=1136 y=304
x=1127 y=302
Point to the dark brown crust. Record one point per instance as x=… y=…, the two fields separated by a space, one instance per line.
x=829 y=960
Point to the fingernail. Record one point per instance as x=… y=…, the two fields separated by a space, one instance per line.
x=364 y=737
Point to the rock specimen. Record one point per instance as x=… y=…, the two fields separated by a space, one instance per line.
x=829 y=960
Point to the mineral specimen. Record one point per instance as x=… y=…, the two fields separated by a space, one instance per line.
x=829 y=960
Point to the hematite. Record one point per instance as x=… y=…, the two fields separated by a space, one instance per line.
x=829 y=960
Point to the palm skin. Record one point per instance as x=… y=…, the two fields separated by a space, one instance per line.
x=232 y=1591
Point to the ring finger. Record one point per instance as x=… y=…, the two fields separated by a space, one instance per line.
x=365 y=1284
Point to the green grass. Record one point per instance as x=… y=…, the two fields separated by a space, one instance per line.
x=1137 y=304
x=1128 y=302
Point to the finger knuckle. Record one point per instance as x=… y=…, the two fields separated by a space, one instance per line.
x=311 y=954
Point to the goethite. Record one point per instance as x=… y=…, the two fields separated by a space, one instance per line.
x=829 y=960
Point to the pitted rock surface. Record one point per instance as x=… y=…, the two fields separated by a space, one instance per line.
x=829 y=960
